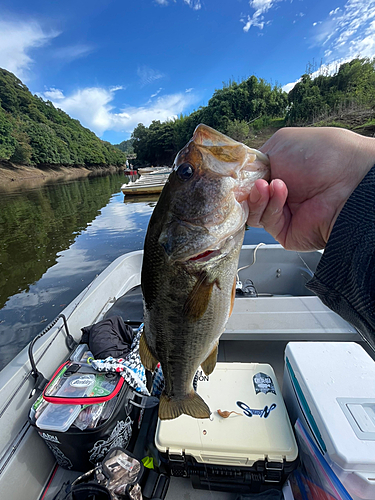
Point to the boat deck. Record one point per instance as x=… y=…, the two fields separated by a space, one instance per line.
x=281 y=310
x=240 y=351
x=259 y=351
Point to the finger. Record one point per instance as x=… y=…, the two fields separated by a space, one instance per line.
x=257 y=201
x=276 y=215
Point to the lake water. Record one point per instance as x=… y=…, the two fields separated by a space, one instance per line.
x=54 y=240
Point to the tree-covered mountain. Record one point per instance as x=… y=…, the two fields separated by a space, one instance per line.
x=126 y=146
x=34 y=132
x=240 y=110
x=242 y=102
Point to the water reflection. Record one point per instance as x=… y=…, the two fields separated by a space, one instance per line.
x=37 y=224
x=55 y=240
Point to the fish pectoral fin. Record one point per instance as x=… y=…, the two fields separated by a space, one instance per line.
x=197 y=301
x=209 y=363
x=192 y=404
x=148 y=359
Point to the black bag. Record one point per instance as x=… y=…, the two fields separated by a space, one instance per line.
x=61 y=403
x=80 y=450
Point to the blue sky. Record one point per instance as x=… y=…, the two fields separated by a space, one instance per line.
x=113 y=64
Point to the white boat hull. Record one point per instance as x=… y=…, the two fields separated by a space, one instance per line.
x=286 y=312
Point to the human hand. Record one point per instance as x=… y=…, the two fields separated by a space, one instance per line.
x=313 y=172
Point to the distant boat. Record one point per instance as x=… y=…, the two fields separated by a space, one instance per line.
x=146 y=184
x=154 y=170
x=128 y=171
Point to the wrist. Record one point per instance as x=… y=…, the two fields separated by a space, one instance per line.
x=362 y=161
x=367 y=156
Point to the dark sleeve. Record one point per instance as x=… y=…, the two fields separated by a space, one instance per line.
x=345 y=277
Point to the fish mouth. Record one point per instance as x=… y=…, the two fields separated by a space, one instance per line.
x=226 y=246
x=205 y=256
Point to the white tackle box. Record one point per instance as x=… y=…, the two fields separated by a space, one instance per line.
x=330 y=386
x=253 y=446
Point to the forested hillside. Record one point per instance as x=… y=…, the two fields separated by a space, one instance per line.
x=34 y=132
x=125 y=146
x=242 y=110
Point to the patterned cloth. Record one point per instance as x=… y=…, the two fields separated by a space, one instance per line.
x=132 y=369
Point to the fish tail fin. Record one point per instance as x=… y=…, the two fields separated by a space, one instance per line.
x=192 y=404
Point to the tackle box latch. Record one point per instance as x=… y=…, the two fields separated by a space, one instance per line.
x=273 y=471
x=176 y=458
x=177 y=464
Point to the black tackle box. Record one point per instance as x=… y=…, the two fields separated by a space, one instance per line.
x=82 y=414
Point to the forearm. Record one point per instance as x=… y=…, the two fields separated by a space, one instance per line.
x=345 y=277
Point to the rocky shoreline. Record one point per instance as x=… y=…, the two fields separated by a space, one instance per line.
x=14 y=176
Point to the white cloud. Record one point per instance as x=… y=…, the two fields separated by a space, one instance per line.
x=148 y=75
x=335 y=11
x=53 y=94
x=117 y=87
x=17 y=40
x=193 y=4
x=156 y=93
x=72 y=52
x=288 y=87
x=92 y=106
x=257 y=19
x=324 y=69
x=348 y=31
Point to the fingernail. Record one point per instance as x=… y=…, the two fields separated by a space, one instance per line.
x=254 y=195
x=271 y=189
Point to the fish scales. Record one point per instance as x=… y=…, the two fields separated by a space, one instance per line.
x=190 y=261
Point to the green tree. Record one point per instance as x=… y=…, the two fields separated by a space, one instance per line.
x=7 y=142
x=34 y=131
x=238 y=130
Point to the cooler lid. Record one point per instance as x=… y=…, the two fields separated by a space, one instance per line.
x=335 y=385
x=259 y=429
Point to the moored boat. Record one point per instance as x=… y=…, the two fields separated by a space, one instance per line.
x=272 y=308
x=146 y=184
x=154 y=170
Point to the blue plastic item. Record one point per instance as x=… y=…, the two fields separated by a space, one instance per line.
x=316 y=476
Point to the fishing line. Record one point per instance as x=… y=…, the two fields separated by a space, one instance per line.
x=312 y=272
x=254 y=260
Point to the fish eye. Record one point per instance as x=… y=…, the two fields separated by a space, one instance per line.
x=185 y=171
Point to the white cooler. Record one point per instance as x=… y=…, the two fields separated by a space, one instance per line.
x=238 y=452
x=330 y=386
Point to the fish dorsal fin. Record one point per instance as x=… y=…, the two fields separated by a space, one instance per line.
x=191 y=404
x=197 y=301
x=148 y=360
x=209 y=363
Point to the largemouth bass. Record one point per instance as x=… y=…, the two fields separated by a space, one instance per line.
x=190 y=261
